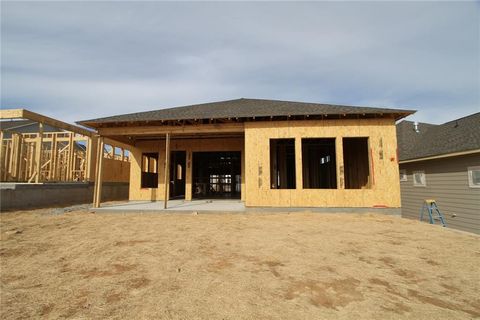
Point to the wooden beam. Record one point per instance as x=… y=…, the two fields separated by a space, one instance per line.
x=95 y=184
x=74 y=164
x=88 y=157
x=23 y=161
x=97 y=197
x=76 y=139
x=11 y=114
x=38 y=152
x=12 y=159
x=34 y=175
x=93 y=141
x=25 y=114
x=70 y=157
x=54 y=157
x=16 y=155
x=117 y=143
x=11 y=162
x=167 y=170
x=31 y=161
x=163 y=130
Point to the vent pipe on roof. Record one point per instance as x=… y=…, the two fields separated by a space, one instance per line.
x=415 y=127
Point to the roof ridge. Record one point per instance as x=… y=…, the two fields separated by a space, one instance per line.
x=464 y=117
x=322 y=103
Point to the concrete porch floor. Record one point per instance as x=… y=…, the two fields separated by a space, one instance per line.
x=181 y=206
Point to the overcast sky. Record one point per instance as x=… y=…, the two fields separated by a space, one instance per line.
x=82 y=60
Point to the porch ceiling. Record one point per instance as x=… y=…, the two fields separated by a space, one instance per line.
x=131 y=134
x=131 y=139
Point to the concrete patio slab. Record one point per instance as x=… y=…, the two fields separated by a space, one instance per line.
x=180 y=206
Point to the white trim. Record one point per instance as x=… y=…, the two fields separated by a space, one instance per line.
x=415 y=183
x=441 y=156
x=403 y=175
x=470 y=176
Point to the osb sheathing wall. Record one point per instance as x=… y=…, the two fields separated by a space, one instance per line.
x=188 y=145
x=385 y=189
x=116 y=170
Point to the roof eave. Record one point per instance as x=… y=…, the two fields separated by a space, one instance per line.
x=97 y=123
x=440 y=156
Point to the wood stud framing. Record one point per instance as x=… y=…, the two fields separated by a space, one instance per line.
x=38 y=153
x=48 y=156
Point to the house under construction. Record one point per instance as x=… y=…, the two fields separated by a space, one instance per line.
x=267 y=153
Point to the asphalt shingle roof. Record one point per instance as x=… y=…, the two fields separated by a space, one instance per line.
x=245 y=108
x=454 y=136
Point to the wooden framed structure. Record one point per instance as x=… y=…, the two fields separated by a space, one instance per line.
x=282 y=146
x=39 y=149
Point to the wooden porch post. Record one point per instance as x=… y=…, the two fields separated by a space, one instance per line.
x=95 y=185
x=97 y=191
x=38 y=152
x=167 y=169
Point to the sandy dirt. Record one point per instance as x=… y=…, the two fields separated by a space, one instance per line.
x=235 y=266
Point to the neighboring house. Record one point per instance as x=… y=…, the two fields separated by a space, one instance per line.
x=442 y=162
x=267 y=153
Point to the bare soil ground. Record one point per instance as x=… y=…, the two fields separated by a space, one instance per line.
x=235 y=266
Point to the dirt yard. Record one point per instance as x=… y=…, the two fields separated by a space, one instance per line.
x=235 y=266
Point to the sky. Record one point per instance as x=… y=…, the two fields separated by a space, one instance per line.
x=81 y=60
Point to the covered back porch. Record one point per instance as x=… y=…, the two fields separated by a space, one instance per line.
x=183 y=162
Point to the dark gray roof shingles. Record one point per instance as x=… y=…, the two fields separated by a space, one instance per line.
x=243 y=108
x=454 y=136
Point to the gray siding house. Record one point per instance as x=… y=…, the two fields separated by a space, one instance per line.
x=442 y=162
